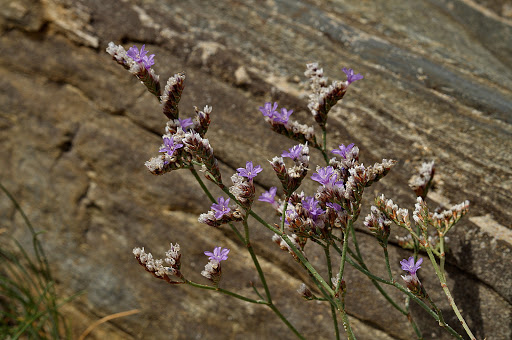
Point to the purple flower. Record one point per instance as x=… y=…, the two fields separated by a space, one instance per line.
x=140 y=56
x=293 y=152
x=249 y=171
x=326 y=176
x=342 y=151
x=351 y=77
x=184 y=123
x=311 y=205
x=268 y=196
x=219 y=254
x=410 y=266
x=170 y=147
x=221 y=207
x=268 y=110
x=334 y=206
x=283 y=117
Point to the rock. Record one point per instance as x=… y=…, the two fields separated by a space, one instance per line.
x=76 y=129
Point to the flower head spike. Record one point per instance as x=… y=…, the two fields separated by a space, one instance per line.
x=135 y=54
x=219 y=254
x=282 y=117
x=351 y=77
x=170 y=146
x=410 y=266
x=250 y=171
x=326 y=176
x=141 y=57
x=342 y=150
x=184 y=123
x=221 y=207
x=311 y=206
x=294 y=152
x=268 y=110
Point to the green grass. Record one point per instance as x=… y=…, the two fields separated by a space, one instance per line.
x=29 y=306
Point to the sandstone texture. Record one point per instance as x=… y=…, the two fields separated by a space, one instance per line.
x=76 y=129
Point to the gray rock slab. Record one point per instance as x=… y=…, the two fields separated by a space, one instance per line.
x=76 y=129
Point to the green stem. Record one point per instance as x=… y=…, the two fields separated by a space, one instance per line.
x=333 y=309
x=296 y=251
x=438 y=311
x=346 y=325
x=290 y=326
x=212 y=199
x=374 y=279
x=403 y=290
x=283 y=216
x=227 y=292
x=256 y=262
x=247 y=243
x=356 y=244
x=442 y=279
x=388 y=267
x=344 y=316
x=442 y=254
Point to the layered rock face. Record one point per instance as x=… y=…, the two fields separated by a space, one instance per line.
x=76 y=129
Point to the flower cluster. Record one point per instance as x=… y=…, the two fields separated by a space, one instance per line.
x=297 y=242
x=305 y=218
x=212 y=271
x=336 y=203
x=220 y=213
x=156 y=267
x=398 y=215
x=243 y=189
x=379 y=225
x=270 y=111
x=412 y=281
x=281 y=123
x=324 y=97
x=139 y=64
x=141 y=56
x=407 y=242
x=172 y=95
x=444 y=220
x=291 y=178
x=422 y=181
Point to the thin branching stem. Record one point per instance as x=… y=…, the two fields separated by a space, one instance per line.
x=447 y=292
x=333 y=309
x=246 y=241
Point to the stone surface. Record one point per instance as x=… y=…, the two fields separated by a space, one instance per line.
x=76 y=129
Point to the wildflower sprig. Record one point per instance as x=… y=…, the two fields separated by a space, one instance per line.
x=325 y=218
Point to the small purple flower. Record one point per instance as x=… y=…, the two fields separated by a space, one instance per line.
x=351 y=77
x=249 y=171
x=323 y=175
x=283 y=117
x=268 y=110
x=170 y=147
x=334 y=206
x=140 y=56
x=311 y=205
x=294 y=152
x=184 y=123
x=268 y=196
x=221 y=207
x=410 y=266
x=219 y=254
x=342 y=151
x=326 y=176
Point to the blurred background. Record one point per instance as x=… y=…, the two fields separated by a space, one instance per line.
x=76 y=129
